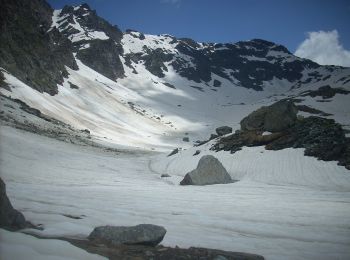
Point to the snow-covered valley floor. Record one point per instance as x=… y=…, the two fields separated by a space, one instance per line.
x=47 y=178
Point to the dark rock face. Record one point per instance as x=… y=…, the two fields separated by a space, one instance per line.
x=153 y=59
x=90 y=21
x=28 y=49
x=100 y=55
x=103 y=56
x=209 y=171
x=144 y=234
x=9 y=217
x=274 y=118
x=223 y=130
x=325 y=92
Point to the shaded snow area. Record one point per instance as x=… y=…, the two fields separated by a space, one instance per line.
x=286 y=206
x=21 y=246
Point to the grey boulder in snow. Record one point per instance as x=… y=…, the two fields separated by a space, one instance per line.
x=223 y=130
x=144 y=234
x=274 y=118
x=209 y=171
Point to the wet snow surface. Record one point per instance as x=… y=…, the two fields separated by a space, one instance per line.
x=275 y=210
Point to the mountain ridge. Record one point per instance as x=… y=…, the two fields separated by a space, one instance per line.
x=165 y=86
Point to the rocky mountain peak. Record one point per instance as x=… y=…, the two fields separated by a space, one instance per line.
x=29 y=50
x=81 y=24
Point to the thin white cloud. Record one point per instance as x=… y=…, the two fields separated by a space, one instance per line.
x=324 y=48
x=173 y=2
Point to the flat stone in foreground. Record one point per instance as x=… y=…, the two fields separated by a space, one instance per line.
x=144 y=234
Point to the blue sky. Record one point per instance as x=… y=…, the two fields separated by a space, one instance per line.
x=285 y=22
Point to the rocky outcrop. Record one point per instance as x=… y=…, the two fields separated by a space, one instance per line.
x=209 y=171
x=153 y=59
x=144 y=234
x=89 y=20
x=9 y=217
x=103 y=56
x=322 y=138
x=29 y=50
x=275 y=118
x=325 y=92
x=223 y=130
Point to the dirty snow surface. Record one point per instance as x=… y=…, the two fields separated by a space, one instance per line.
x=290 y=217
x=21 y=246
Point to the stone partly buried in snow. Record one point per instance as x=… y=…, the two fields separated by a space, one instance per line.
x=274 y=118
x=209 y=171
x=9 y=217
x=144 y=234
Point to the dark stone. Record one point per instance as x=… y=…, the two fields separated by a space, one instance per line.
x=186 y=139
x=213 y=136
x=325 y=92
x=175 y=151
x=169 y=85
x=197 y=152
x=217 y=83
x=223 y=130
x=3 y=84
x=209 y=171
x=73 y=86
x=165 y=175
x=144 y=234
x=311 y=110
x=273 y=118
x=9 y=217
x=198 y=88
x=86 y=131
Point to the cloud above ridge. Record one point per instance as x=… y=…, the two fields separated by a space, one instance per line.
x=324 y=48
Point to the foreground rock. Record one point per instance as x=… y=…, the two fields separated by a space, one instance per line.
x=144 y=234
x=127 y=252
x=209 y=171
x=277 y=117
x=9 y=217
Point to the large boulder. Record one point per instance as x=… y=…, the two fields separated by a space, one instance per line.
x=275 y=118
x=144 y=234
x=209 y=171
x=223 y=130
x=9 y=217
